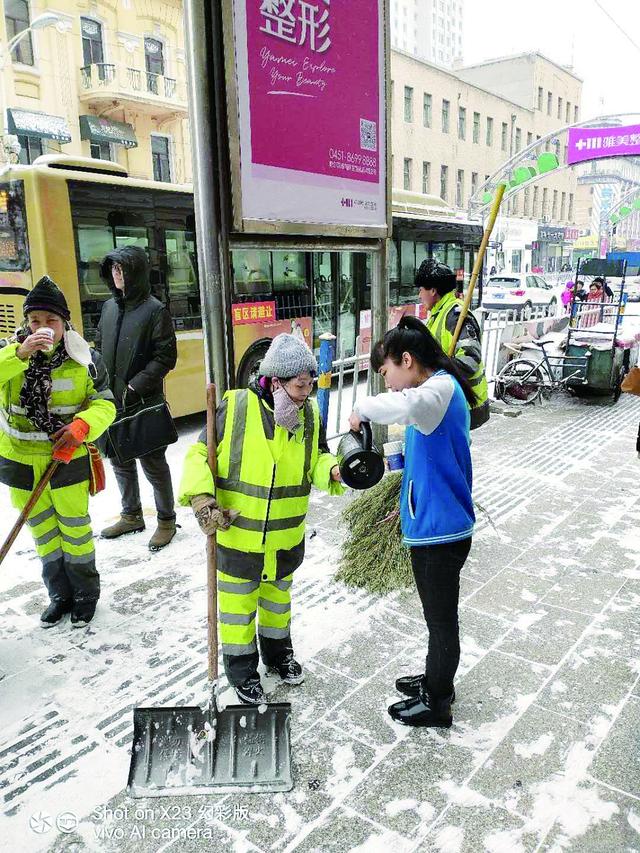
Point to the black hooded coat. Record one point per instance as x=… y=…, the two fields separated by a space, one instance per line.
x=135 y=333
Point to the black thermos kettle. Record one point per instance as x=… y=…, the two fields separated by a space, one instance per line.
x=361 y=464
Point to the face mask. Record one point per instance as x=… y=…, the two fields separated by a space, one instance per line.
x=77 y=348
x=285 y=411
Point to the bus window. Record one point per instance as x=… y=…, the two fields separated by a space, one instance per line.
x=289 y=271
x=347 y=304
x=251 y=273
x=126 y=235
x=182 y=279
x=94 y=242
x=14 y=245
x=422 y=254
x=323 y=304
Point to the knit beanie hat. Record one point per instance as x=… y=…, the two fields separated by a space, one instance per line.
x=287 y=357
x=47 y=296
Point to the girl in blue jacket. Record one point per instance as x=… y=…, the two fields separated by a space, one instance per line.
x=431 y=395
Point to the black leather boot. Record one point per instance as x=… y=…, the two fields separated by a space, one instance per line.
x=423 y=710
x=409 y=685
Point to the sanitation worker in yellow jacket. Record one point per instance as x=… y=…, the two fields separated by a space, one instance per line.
x=271 y=449
x=54 y=396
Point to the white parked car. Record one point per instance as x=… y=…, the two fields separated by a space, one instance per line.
x=521 y=291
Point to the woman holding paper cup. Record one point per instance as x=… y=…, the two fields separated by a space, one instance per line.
x=54 y=398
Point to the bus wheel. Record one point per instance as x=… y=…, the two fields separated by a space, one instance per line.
x=250 y=363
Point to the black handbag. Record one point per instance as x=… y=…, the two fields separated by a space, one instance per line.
x=140 y=430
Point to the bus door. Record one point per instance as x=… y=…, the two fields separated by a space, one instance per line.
x=323 y=272
x=347 y=299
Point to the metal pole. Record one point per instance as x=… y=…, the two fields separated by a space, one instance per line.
x=379 y=319
x=206 y=156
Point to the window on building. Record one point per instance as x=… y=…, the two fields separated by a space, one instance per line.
x=426 y=109
x=459 y=188
x=563 y=204
x=489 y=131
x=101 y=151
x=527 y=201
x=529 y=139
x=567 y=115
x=476 y=127
x=408 y=169
x=16 y=19
x=486 y=178
x=504 y=135
x=570 y=211
x=154 y=63
x=575 y=114
x=444 y=182
x=161 y=158
x=536 y=193
x=549 y=103
x=518 y=139
x=426 y=177
x=554 y=205
x=92 y=44
x=462 y=123
x=559 y=107
x=474 y=182
x=408 y=103
x=545 y=202
x=30 y=148
x=566 y=151
x=445 y=116
x=540 y=97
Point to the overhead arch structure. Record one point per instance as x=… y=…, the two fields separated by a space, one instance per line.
x=597 y=139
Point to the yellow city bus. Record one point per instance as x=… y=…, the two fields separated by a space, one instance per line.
x=61 y=215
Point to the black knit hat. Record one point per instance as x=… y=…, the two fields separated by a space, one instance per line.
x=47 y=296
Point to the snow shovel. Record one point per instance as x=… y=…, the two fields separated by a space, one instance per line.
x=191 y=750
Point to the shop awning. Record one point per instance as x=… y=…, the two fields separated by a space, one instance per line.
x=97 y=129
x=27 y=123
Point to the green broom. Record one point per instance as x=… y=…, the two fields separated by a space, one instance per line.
x=373 y=556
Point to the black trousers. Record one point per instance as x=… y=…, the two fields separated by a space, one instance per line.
x=436 y=569
x=156 y=470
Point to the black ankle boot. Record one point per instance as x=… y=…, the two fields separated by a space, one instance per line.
x=409 y=685
x=423 y=710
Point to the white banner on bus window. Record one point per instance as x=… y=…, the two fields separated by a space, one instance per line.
x=310 y=80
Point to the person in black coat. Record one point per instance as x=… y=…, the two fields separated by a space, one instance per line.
x=138 y=344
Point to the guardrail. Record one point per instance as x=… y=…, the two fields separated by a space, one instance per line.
x=337 y=401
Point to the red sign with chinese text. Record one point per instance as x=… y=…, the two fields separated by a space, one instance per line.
x=244 y=313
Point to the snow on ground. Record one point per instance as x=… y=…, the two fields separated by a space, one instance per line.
x=543 y=753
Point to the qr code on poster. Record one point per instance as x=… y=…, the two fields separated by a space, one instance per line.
x=368 y=135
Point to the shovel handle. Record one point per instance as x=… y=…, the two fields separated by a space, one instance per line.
x=212 y=568
x=26 y=511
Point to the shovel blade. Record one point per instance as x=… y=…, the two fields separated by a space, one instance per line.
x=187 y=751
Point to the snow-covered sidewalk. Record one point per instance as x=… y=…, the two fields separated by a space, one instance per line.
x=543 y=753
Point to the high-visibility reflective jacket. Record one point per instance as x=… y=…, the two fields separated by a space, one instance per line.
x=442 y=324
x=264 y=472
x=73 y=394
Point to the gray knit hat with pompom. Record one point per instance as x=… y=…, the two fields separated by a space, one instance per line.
x=287 y=357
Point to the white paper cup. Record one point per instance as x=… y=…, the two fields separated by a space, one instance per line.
x=47 y=331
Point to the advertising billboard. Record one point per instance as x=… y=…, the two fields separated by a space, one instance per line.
x=308 y=129
x=594 y=143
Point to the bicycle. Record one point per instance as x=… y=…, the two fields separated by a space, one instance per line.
x=523 y=381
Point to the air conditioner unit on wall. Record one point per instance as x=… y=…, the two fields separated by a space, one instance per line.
x=546 y=218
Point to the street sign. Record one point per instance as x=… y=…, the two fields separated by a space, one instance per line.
x=594 y=143
x=307 y=116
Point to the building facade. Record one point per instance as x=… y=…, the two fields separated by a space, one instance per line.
x=106 y=80
x=428 y=29
x=451 y=133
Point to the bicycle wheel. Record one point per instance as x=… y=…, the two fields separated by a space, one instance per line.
x=519 y=382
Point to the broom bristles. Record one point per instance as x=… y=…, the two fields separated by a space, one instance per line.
x=373 y=555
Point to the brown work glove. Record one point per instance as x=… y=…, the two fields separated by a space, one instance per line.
x=210 y=516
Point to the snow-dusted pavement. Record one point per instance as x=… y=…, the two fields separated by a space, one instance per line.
x=544 y=752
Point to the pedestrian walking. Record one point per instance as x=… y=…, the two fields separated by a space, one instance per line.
x=431 y=395
x=271 y=449
x=52 y=398
x=436 y=285
x=138 y=343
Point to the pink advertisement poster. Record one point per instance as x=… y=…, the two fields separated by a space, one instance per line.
x=310 y=81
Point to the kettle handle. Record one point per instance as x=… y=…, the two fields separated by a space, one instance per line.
x=367 y=435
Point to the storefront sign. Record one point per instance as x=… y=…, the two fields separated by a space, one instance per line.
x=550 y=235
x=594 y=143
x=244 y=313
x=311 y=130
